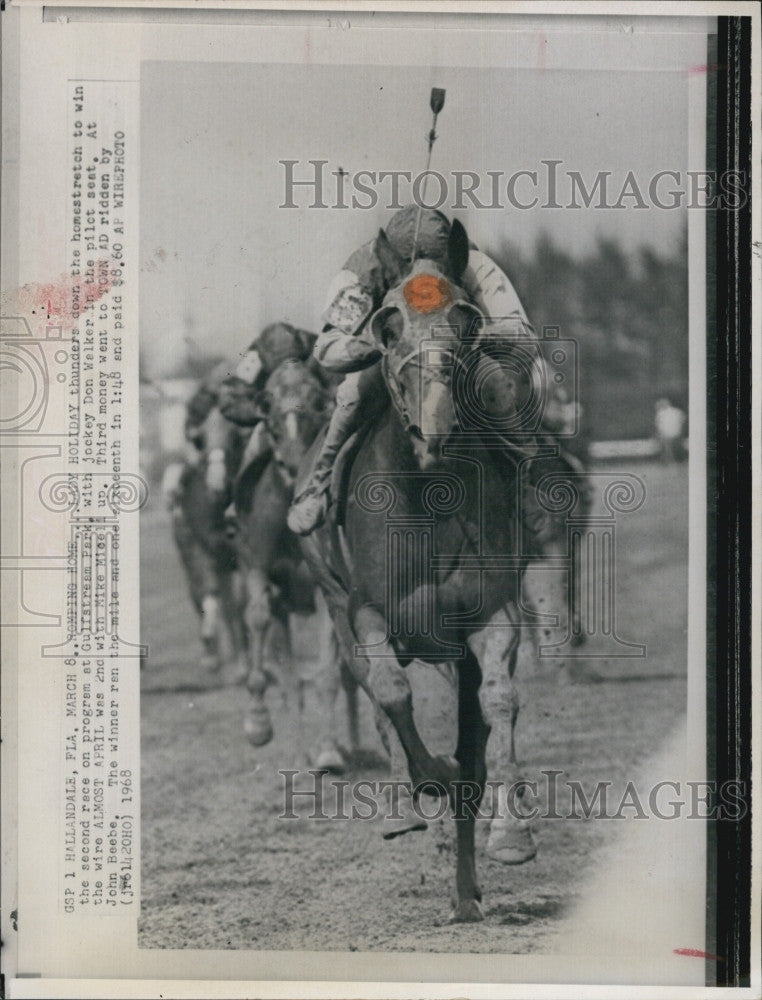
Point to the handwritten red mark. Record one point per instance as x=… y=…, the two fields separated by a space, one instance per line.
x=542 y=43
x=64 y=300
x=705 y=68
x=697 y=953
x=426 y=293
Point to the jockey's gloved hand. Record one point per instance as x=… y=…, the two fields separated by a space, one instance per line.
x=362 y=348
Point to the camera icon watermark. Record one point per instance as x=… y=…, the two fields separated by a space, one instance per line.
x=504 y=380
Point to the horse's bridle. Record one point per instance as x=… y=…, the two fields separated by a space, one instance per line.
x=392 y=374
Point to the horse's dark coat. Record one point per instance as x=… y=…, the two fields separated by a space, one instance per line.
x=435 y=559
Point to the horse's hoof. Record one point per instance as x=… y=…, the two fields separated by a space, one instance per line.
x=400 y=815
x=331 y=761
x=477 y=897
x=258 y=729
x=511 y=844
x=397 y=827
x=467 y=911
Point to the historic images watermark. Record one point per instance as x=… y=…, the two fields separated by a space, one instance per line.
x=308 y=795
x=551 y=184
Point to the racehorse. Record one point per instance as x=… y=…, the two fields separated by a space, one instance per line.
x=209 y=559
x=294 y=405
x=429 y=559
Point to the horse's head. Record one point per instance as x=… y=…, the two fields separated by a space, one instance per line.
x=295 y=405
x=280 y=342
x=424 y=329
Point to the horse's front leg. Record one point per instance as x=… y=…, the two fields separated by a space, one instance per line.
x=210 y=632
x=280 y=652
x=231 y=628
x=203 y=587
x=403 y=817
x=327 y=755
x=233 y=608
x=510 y=839
x=257 y=615
x=350 y=686
x=391 y=690
x=473 y=733
x=210 y=611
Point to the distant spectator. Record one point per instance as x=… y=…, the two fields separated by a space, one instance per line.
x=669 y=423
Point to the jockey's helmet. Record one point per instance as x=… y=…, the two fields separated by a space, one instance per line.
x=280 y=342
x=433 y=234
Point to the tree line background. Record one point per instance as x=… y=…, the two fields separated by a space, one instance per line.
x=627 y=310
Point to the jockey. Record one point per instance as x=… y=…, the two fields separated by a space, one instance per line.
x=238 y=392
x=200 y=405
x=234 y=390
x=197 y=409
x=346 y=345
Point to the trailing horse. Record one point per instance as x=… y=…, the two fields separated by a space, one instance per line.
x=425 y=557
x=295 y=404
x=208 y=557
x=554 y=575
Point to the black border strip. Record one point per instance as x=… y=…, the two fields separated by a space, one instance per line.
x=729 y=336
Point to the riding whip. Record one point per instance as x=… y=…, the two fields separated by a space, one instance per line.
x=436 y=103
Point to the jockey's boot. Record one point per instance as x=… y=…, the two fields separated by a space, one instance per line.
x=309 y=508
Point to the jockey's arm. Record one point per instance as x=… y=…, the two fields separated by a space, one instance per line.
x=492 y=292
x=491 y=289
x=338 y=351
x=346 y=344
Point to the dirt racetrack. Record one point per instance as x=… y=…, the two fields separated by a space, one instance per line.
x=220 y=870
